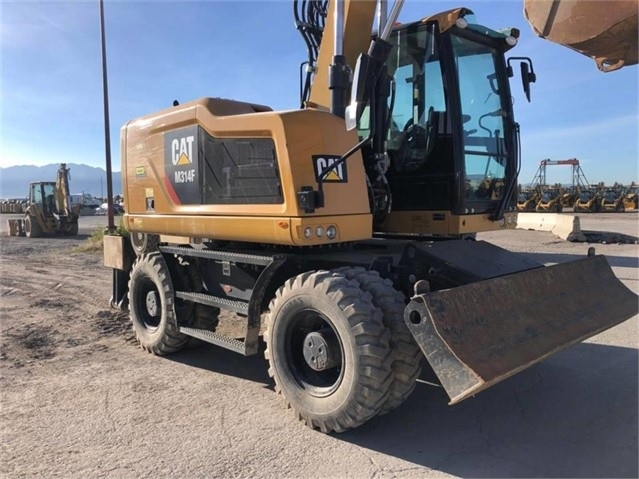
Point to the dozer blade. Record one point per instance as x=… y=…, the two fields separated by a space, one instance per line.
x=479 y=334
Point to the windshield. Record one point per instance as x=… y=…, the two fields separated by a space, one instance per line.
x=584 y=197
x=485 y=154
x=419 y=94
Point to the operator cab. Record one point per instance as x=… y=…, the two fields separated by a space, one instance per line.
x=43 y=194
x=452 y=139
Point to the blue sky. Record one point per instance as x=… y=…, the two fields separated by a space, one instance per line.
x=51 y=94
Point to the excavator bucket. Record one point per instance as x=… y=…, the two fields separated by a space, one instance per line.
x=479 y=334
x=604 y=31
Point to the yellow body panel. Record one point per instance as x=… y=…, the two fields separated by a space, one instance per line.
x=297 y=136
x=444 y=223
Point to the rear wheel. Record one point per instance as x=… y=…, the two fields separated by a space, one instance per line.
x=152 y=306
x=328 y=351
x=31 y=227
x=406 y=356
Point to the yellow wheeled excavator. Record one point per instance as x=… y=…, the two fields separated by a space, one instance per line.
x=348 y=224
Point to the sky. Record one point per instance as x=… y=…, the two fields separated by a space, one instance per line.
x=158 y=51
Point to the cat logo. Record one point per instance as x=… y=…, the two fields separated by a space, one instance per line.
x=182 y=150
x=336 y=174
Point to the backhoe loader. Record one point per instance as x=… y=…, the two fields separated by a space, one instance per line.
x=550 y=201
x=48 y=210
x=527 y=199
x=612 y=200
x=589 y=201
x=347 y=225
x=630 y=198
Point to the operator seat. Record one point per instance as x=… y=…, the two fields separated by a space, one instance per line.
x=416 y=142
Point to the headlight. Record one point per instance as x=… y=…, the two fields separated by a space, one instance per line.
x=319 y=231
x=331 y=232
x=308 y=232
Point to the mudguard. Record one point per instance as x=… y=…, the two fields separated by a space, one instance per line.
x=479 y=334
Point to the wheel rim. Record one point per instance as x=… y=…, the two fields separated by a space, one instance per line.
x=138 y=240
x=148 y=304
x=308 y=336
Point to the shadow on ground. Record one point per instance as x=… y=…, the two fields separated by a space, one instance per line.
x=223 y=361
x=574 y=415
x=608 y=237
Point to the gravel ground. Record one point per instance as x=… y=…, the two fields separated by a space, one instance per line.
x=80 y=399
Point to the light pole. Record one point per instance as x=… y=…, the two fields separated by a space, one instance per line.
x=107 y=134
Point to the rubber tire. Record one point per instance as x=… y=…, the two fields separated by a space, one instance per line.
x=73 y=230
x=366 y=374
x=406 y=356
x=144 y=242
x=31 y=227
x=150 y=270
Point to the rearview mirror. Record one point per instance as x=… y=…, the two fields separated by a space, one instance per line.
x=528 y=75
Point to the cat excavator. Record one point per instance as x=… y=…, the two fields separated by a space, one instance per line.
x=345 y=229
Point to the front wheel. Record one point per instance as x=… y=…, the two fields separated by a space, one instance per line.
x=328 y=351
x=31 y=227
x=152 y=306
x=406 y=355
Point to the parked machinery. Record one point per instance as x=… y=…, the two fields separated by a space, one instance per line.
x=612 y=200
x=48 y=210
x=589 y=201
x=527 y=199
x=550 y=200
x=631 y=198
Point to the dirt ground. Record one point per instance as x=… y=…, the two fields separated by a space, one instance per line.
x=80 y=399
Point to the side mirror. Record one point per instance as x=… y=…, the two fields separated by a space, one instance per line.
x=359 y=89
x=528 y=75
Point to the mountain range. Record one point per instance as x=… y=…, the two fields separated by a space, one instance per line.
x=14 y=180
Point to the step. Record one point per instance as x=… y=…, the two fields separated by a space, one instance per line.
x=217 y=339
x=247 y=258
x=235 y=305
